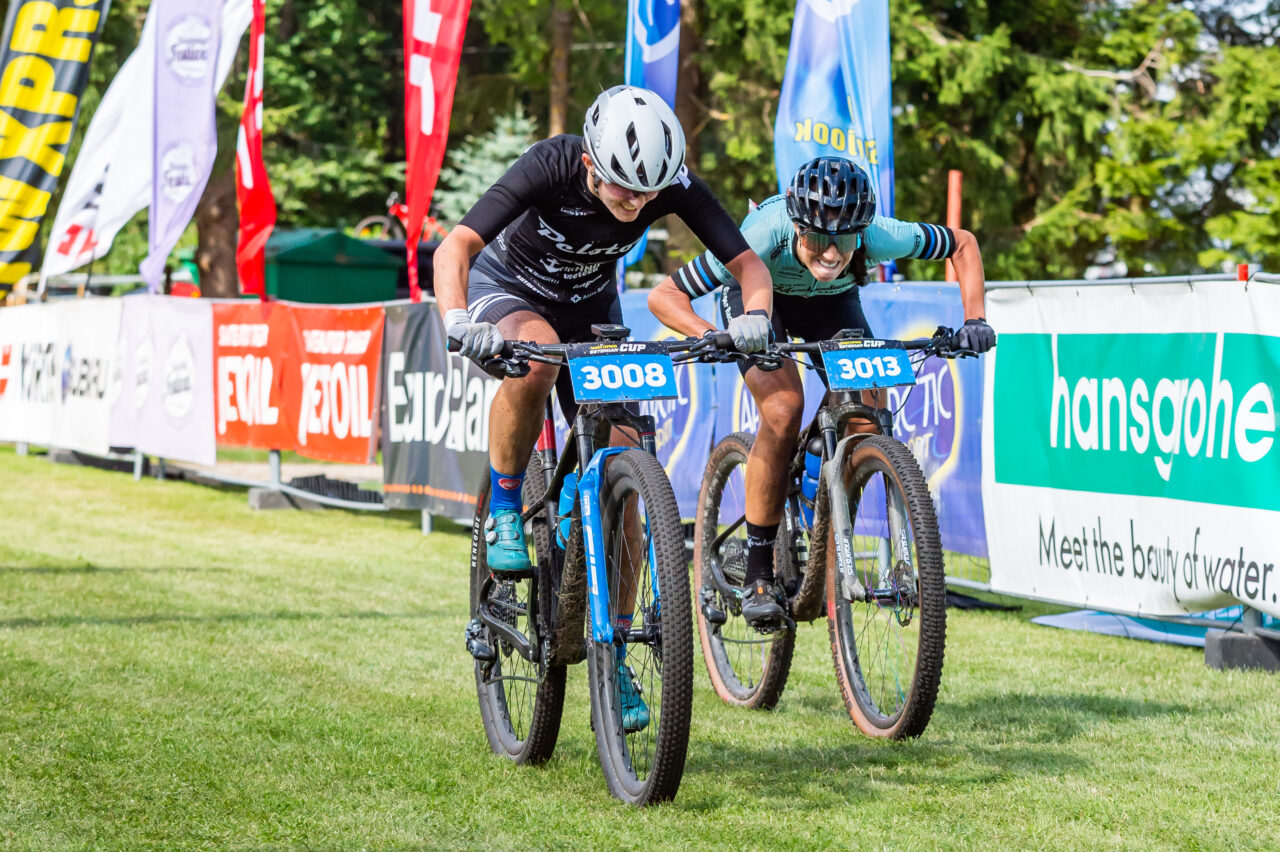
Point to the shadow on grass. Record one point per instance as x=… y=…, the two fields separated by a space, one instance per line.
x=230 y=617
x=1046 y=718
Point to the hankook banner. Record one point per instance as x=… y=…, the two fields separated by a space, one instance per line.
x=1131 y=438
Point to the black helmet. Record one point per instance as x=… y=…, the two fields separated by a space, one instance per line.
x=831 y=195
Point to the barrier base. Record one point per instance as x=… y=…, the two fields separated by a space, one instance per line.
x=118 y=463
x=266 y=498
x=1228 y=650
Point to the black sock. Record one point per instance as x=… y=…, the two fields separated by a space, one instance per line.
x=760 y=552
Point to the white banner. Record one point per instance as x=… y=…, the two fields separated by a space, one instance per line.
x=1129 y=439
x=56 y=365
x=111 y=179
x=163 y=402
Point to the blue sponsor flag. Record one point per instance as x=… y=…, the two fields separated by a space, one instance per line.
x=836 y=98
x=653 y=62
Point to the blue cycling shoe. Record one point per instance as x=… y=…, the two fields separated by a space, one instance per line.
x=635 y=713
x=504 y=534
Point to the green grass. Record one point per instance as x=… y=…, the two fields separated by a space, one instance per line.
x=178 y=671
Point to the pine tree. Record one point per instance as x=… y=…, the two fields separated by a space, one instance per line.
x=479 y=161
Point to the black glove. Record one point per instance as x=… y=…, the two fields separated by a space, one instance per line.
x=975 y=336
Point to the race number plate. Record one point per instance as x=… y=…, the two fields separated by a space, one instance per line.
x=621 y=371
x=862 y=364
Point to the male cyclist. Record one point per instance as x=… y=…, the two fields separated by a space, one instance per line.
x=818 y=239
x=549 y=234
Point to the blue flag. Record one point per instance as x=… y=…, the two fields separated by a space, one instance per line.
x=836 y=97
x=653 y=61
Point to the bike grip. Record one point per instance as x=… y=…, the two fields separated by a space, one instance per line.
x=723 y=340
x=452 y=344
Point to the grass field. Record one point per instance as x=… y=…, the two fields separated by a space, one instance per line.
x=178 y=672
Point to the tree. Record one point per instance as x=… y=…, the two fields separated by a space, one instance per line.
x=479 y=161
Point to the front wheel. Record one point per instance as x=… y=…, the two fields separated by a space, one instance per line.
x=520 y=700
x=888 y=648
x=642 y=684
x=747 y=669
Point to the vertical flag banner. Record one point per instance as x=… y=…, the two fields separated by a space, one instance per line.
x=111 y=179
x=836 y=97
x=44 y=66
x=652 y=61
x=253 y=190
x=433 y=31
x=186 y=133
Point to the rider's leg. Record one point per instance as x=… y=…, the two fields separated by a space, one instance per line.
x=779 y=398
x=515 y=418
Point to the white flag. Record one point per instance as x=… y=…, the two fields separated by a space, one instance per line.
x=111 y=179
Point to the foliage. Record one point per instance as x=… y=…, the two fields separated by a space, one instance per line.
x=1133 y=132
x=478 y=161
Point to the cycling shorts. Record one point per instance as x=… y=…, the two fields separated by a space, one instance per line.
x=806 y=317
x=491 y=296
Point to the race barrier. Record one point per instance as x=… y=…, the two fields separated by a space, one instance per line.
x=1129 y=429
x=1130 y=437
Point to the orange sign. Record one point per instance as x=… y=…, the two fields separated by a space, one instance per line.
x=251 y=343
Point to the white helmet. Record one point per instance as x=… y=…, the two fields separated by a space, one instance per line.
x=634 y=139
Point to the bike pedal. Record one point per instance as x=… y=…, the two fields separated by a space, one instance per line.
x=714 y=615
x=475 y=647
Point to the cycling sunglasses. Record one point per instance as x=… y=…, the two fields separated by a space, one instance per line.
x=817 y=241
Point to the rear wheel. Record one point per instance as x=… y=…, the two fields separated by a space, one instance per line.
x=888 y=650
x=379 y=228
x=648 y=581
x=520 y=700
x=746 y=668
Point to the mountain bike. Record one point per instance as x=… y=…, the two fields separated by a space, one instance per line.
x=858 y=540
x=609 y=584
x=394 y=224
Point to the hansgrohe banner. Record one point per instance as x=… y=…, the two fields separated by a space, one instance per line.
x=1131 y=439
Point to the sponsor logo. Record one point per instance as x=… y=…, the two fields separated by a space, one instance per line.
x=335 y=401
x=179 y=379
x=142 y=372
x=508 y=483
x=39 y=371
x=244 y=384
x=178 y=173
x=928 y=419
x=575 y=211
x=322 y=341
x=247 y=335
x=1185 y=416
x=83 y=378
x=450 y=408
x=589 y=249
x=6 y=359
x=189 y=49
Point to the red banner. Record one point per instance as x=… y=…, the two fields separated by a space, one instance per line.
x=253 y=189
x=433 y=31
x=288 y=377
x=251 y=348
x=332 y=394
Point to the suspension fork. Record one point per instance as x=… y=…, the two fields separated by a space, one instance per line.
x=835 y=454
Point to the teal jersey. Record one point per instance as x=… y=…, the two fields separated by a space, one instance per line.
x=771 y=235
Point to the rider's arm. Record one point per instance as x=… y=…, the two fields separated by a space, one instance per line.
x=968 y=263
x=451 y=264
x=672 y=303
x=757 y=285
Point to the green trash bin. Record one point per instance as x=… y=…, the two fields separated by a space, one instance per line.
x=325 y=266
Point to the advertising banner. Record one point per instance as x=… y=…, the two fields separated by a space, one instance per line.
x=57 y=363
x=1131 y=439
x=331 y=381
x=253 y=189
x=44 y=66
x=111 y=178
x=652 y=62
x=433 y=31
x=186 y=132
x=251 y=352
x=162 y=384
x=836 y=98
x=435 y=417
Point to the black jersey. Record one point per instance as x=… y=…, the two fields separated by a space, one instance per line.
x=560 y=243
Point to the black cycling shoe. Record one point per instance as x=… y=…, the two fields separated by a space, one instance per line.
x=762 y=608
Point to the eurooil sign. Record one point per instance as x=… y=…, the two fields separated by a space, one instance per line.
x=1185 y=416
